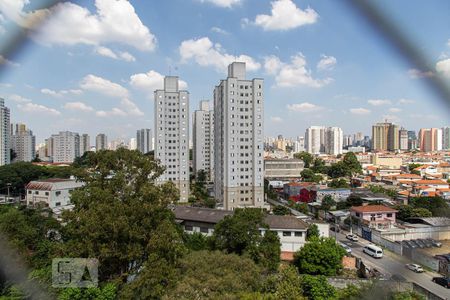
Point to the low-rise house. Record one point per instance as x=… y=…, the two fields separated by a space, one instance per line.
x=375 y=216
x=290 y=230
x=52 y=193
x=434 y=183
x=338 y=194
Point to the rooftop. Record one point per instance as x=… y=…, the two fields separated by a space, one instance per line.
x=372 y=208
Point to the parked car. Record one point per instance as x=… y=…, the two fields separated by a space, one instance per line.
x=445 y=282
x=415 y=267
x=352 y=237
x=420 y=243
x=335 y=229
x=427 y=243
x=437 y=244
x=413 y=244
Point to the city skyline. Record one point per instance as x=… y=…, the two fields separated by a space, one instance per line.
x=309 y=81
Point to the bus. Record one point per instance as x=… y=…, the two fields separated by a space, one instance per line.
x=373 y=251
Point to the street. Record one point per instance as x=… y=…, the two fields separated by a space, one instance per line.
x=392 y=264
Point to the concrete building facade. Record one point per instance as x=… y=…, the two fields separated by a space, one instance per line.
x=238 y=140
x=23 y=143
x=172 y=134
x=5 y=145
x=101 y=142
x=333 y=140
x=203 y=139
x=144 y=140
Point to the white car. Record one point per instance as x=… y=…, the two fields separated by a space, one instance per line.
x=352 y=237
x=415 y=267
x=346 y=248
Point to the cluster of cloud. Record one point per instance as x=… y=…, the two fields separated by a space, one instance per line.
x=223 y=3
x=296 y=73
x=61 y=93
x=38 y=108
x=115 y=21
x=119 y=55
x=304 y=107
x=151 y=81
x=206 y=53
x=285 y=15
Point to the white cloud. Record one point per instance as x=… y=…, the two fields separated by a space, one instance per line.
x=130 y=107
x=18 y=98
x=406 y=101
x=61 y=93
x=395 y=110
x=293 y=74
x=379 y=102
x=443 y=67
x=104 y=51
x=37 y=108
x=219 y=30
x=78 y=106
x=104 y=86
x=276 y=119
x=205 y=53
x=223 y=3
x=286 y=15
x=326 y=63
x=359 y=111
x=415 y=74
x=115 y=21
x=151 y=81
x=112 y=113
x=4 y=61
x=304 y=107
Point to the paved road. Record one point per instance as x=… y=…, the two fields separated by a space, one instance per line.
x=393 y=264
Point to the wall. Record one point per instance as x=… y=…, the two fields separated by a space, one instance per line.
x=378 y=239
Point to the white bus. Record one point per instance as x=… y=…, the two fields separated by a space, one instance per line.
x=373 y=251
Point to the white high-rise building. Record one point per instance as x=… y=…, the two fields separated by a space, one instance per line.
x=66 y=147
x=85 y=143
x=446 y=138
x=101 y=142
x=238 y=140
x=172 y=134
x=333 y=140
x=132 y=145
x=439 y=139
x=144 y=140
x=315 y=139
x=203 y=139
x=23 y=143
x=5 y=145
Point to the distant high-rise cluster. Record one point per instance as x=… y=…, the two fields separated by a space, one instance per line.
x=101 y=142
x=321 y=139
x=23 y=143
x=144 y=140
x=430 y=139
x=66 y=146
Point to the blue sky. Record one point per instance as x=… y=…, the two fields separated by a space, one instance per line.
x=94 y=65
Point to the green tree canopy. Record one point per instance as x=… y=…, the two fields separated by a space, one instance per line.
x=436 y=205
x=281 y=210
x=352 y=163
x=327 y=202
x=338 y=183
x=317 y=288
x=312 y=232
x=309 y=176
x=320 y=257
x=118 y=211
x=306 y=157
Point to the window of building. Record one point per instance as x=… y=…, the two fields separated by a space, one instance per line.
x=389 y=215
x=58 y=204
x=46 y=193
x=188 y=228
x=58 y=193
x=204 y=229
x=298 y=233
x=286 y=233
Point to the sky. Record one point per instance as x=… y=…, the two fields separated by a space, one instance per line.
x=93 y=65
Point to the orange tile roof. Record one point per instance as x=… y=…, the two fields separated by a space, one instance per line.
x=408 y=176
x=444 y=190
x=372 y=208
x=287 y=256
x=406 y=193
x=430 y=181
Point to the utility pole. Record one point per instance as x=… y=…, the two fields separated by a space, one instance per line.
x=7 y=186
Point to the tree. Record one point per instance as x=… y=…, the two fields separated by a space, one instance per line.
x=306 y=157
x=436 y=205
x=312 y=232
x=196 y=241
x=240 y=233
x=354 y=200
x=286 y=284
x=320 y=257
x=339 y=183
x=301 y=207
x=107 y=292
x=118 y=211
x=317 y=288
x=319 y=166
x=339 y=169
x=215 y=275
x=12 y=154
x=412 y=167
x=281 y=210
x=352 y=163
x=199 y=193
x=309 y=176
x=327 y=203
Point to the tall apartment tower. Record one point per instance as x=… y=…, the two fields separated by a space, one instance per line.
x=203 y=139
x=315 y=139
x=85 y=143
x=101 y=142
x=4 y=134
x=385 y=137
x=238 y=140
x=403 y=139
x=333 y=140
x=430 y=139
x=446 y=138
x=172 y=134
x=66 y=147
x=23 y=143
x=144 y=140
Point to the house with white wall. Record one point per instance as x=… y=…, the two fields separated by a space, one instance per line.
x=54 y=193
